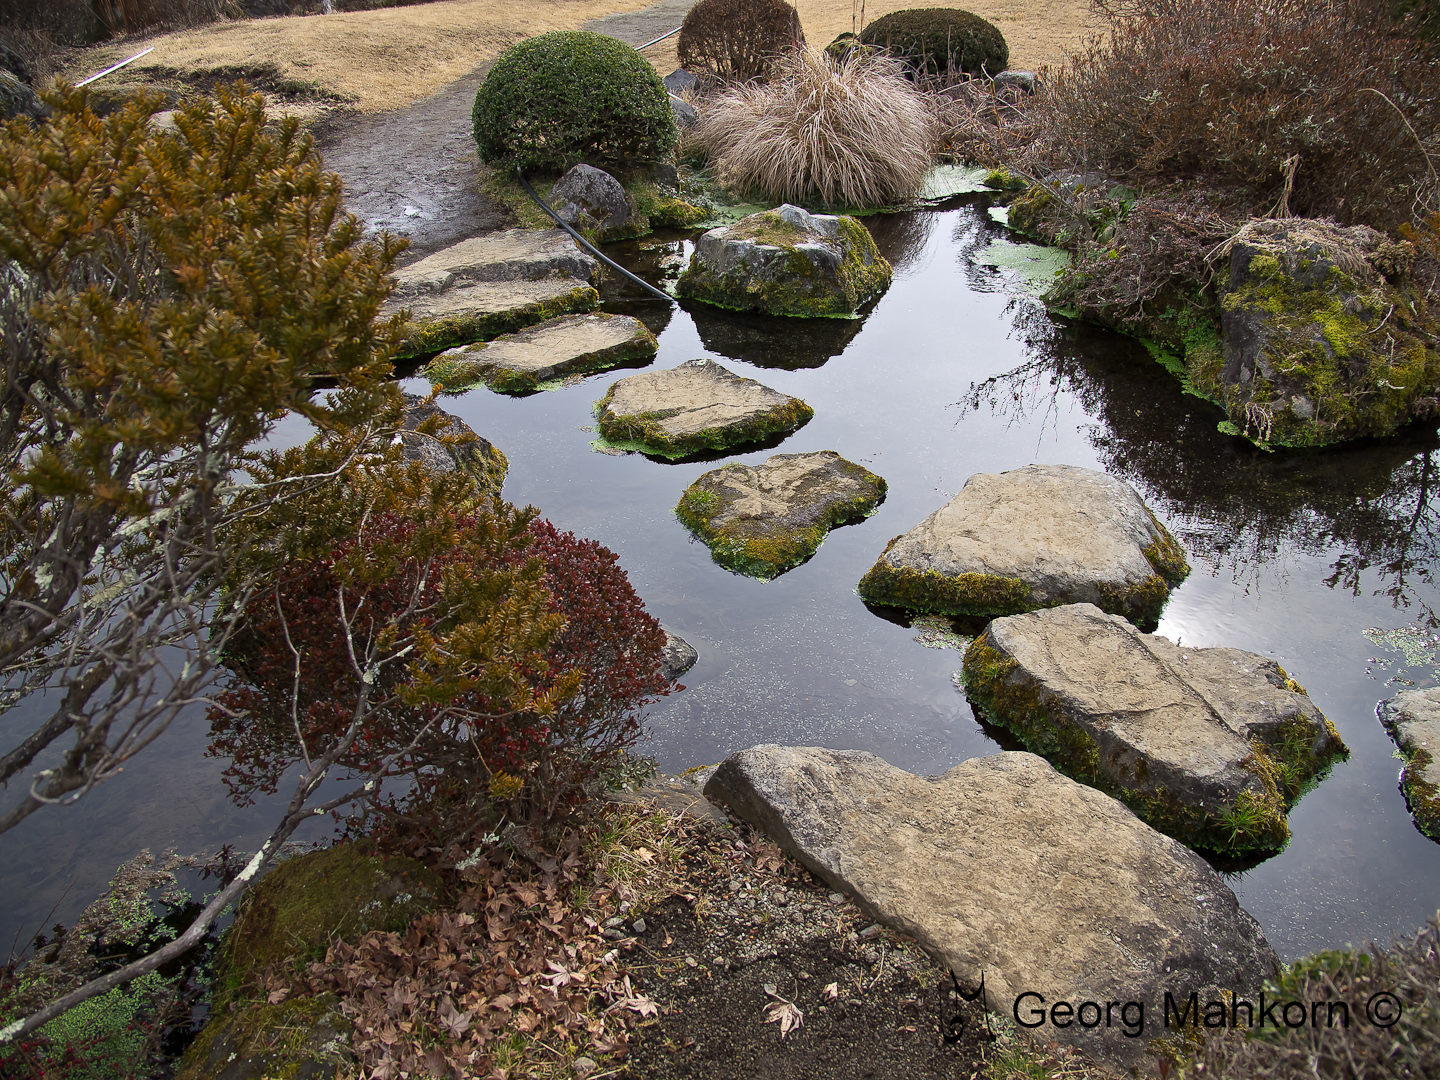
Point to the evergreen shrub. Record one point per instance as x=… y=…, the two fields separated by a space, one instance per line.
x=737 y=40
x=559 y=99
x=940 y=42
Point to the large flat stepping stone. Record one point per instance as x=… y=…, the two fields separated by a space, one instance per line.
x=489 y=285
x=761 y=520
x=1004 y=869
x=1212 y=746
x=1032 y=538
x=523 y=361
x=696 y=406
x=1412 y=717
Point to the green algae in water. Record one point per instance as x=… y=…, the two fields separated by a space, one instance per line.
x=947 y=181
x=1034 y=268
x=1415 y=654
x=935 y=632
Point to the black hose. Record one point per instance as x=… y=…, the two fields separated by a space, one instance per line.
x=586 y=243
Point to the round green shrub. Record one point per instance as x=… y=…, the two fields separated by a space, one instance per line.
x=558 y=99
x=940 y=41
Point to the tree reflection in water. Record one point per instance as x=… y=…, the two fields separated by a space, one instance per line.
x=1229 y=502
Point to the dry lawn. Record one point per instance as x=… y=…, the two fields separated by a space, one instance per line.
x=380 y=60
x=373 y=60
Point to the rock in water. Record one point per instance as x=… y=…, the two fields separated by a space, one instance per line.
x=1029 y=538
x=1006 y=870
x=453 y=445
x=1321 y=339
x=1412 y=717
x=678 y=657
x=591 y=200
x=491 y=285
x=1209 y=745
x=762 y=520
x=696 y=406
x=520 y=362
x=787 y=262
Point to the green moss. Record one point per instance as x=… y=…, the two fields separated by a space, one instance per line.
x=944 y=594
x=1421 y=796
x=308 y=901
x=642 y=431
x=426 y=336
x=1003 y=180
x=1166 y=555
x=303 y=1037
x=805 y=292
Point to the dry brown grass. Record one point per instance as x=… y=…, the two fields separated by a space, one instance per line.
x=373 y=60
x=855 y=134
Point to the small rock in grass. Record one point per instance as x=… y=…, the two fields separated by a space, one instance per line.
x=1212 y=746
x=694 y=407
x=1030 y=538
x=762 y=520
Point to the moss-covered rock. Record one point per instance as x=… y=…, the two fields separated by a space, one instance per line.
x=695 y=407
x=449 y=443
x=1212 y=746
x=762 y=520
x=300 y=1039
x=1412 y=717
x=524 y=361
x=787 y=261
x=1032 y=538
x=307 y=902
x=1322 y=340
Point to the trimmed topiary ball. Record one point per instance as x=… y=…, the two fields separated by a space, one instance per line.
x=940 y=41
x=737 y=40
x=567 y=97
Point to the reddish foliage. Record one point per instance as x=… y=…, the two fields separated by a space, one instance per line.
x=512 y=737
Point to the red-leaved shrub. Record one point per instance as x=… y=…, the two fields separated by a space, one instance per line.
x=507 y=672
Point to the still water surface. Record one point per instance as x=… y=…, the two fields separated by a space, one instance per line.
x=953 y=372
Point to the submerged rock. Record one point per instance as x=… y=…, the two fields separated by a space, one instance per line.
x=1412 y=717
x=696 y=406
x=590 y=200
x=1212 y=746
x=678 y=657
x=1003 y=869
x=454 y=445
x=787 y=262
x=1321 y=341
x=491 y=285
x=1029 y=538
x=520 y=362
x=762 y=520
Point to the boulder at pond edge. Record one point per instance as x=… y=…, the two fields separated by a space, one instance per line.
x=761 y=520
x=787 y=262
x=451 y=444
x=1211 y=746
x=1005 y=870
x=1029 y=538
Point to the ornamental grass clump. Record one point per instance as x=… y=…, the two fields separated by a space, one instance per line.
x=850 y=134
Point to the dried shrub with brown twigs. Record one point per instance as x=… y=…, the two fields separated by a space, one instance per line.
x=852 y=134
x=1391 y=1001
x=737 y=40
x=982 y=124
x=1330 y=99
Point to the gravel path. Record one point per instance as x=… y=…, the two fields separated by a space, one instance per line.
x=413 y=171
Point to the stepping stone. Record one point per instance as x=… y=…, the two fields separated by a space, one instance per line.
x=787 y=262
x=1006 y=871
x=1212 y=746
x=1412 y=717
x=761 y=520
x=453 y=446
x=489 y=285
x=696 y=406
x=1031 y=538
x=522 y=361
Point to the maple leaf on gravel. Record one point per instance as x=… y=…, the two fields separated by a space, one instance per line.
x=635 y=1002
x=783 y=1012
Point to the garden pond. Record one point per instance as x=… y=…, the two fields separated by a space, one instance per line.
x=1324 y=561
